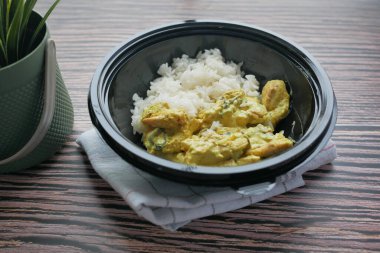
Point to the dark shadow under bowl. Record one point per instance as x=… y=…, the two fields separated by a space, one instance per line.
x=131 y=66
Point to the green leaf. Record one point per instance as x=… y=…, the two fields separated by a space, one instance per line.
x=41 y=24
x=29 y=5
x=7 y=10
x=13 y=34
x=13 y=7
x=3 y=6
x=3 y=55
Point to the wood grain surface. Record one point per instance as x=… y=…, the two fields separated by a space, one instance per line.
x=64 y=206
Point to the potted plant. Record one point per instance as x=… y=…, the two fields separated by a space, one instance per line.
x=36 y=113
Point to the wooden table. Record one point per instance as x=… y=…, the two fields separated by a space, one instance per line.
x=64 y=206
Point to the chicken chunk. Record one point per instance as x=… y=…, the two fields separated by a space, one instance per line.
x=263 y=143
x=275 y=98
x=164 y=141
x=159 y=115
x=254 y=112
x=215 y=147
x=235 y=109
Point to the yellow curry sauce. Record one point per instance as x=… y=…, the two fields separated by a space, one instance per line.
x=237 y=129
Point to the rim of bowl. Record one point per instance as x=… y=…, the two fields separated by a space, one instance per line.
x=106 y=71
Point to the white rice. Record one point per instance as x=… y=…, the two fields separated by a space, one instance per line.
x=192 y=84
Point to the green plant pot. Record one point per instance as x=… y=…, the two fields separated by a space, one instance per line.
x=23 y=95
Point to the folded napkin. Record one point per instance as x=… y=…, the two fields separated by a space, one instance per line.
x=172 y=205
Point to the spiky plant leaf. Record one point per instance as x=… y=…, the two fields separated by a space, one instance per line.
x=13 y=6
x=42 y=23
x=3 y=55
x=13 y=34
x=29 y=5
x=7 y=11
x=3 y=6
x=17 y=37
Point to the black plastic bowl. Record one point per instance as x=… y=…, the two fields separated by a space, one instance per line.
x=130 y=67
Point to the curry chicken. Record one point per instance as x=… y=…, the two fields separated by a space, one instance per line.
x=237 y=129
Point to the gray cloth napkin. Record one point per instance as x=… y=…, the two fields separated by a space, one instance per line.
x=172 y=205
